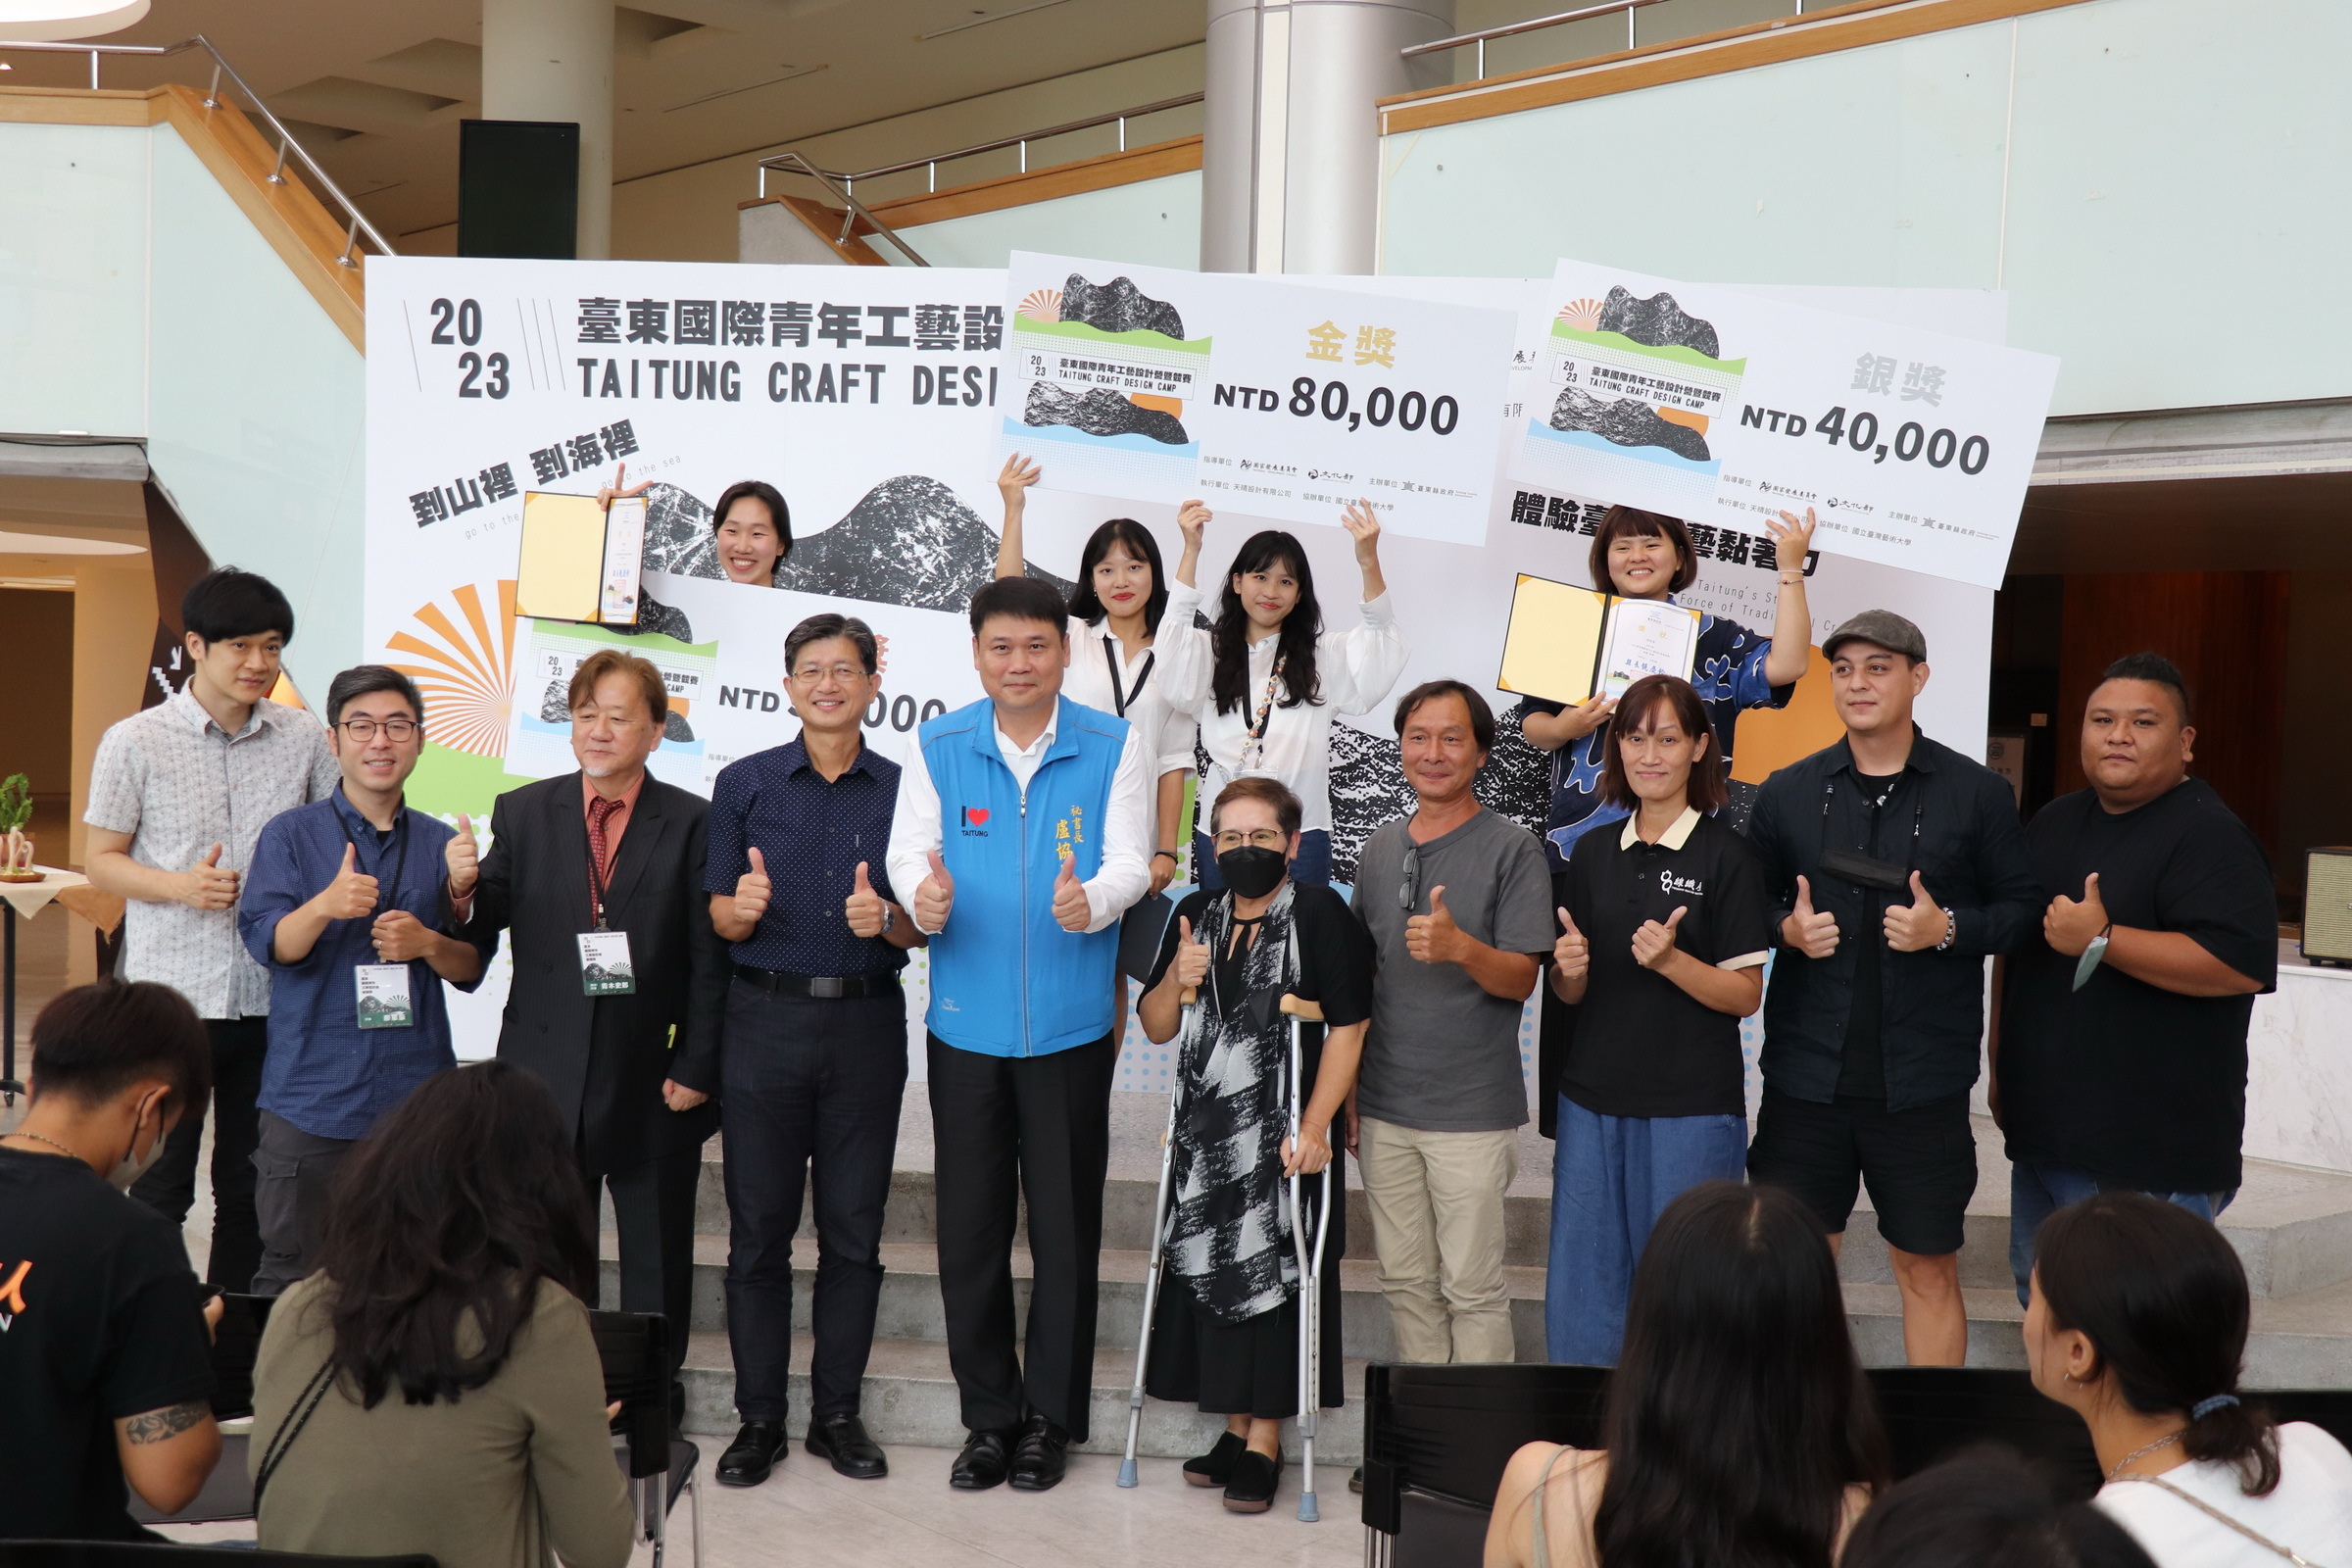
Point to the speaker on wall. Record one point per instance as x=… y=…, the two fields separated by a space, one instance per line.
x=2328 y=905
x=519 y=188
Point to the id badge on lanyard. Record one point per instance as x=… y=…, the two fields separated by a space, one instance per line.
x=381 y=990
x=606 y=969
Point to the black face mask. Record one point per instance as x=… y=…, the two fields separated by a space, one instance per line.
x=1252 y=872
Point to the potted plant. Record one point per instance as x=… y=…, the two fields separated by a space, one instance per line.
x=16 y=813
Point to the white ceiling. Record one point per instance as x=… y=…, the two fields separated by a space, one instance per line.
x=377 y=89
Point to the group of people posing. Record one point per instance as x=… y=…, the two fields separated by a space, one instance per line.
x=682 y=966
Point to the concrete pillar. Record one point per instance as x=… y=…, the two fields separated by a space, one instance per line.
x=553 y=60
x=1290 y=159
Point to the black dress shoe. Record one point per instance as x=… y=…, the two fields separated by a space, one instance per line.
x=842 y=1438
x=983 y=1463
x=753 y=1454
x=1253 y=1483
x=1039 y=1456
x=1215 y=1467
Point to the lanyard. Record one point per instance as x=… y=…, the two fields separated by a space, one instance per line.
x=1256 y=740
x=388 y=896
x=1118 y=697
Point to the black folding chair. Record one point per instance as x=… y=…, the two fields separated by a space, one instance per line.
x=147 y=1555
x=634 y=1347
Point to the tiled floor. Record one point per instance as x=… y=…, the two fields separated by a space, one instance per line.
x=805 y=1514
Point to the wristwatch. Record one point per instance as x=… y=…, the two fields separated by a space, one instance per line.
x=890 y=916
x=2090 y=961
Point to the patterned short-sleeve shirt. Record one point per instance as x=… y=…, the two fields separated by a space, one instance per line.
x=178 y=783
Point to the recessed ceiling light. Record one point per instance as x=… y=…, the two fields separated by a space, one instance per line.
x=51 y=21
x=981 y=18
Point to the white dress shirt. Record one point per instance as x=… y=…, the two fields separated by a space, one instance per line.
x=1356 y=667
x=1167 y=734
x=1125 y=874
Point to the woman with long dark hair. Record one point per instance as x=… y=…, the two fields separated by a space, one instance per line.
x=1265 y=680
x=1739 y=1429
x=2136 y=1321
x=434 y=1388
x=1115 y=610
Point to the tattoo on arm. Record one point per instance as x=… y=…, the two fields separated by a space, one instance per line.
x=161 y=1426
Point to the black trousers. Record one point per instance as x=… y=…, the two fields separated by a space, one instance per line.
x=239 y=1046
x=297 y=1169
x=1008 y=1130
x=814 y=1089
x=653 y=1208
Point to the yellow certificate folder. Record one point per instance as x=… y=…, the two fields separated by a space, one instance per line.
x=562 y=570
x=1567 y=644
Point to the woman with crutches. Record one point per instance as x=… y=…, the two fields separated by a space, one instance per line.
x=1224 y=1331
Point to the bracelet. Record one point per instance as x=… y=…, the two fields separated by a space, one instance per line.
x=1792 y=575
x=890 y=916
x=1951 y=929
x=1170 y=854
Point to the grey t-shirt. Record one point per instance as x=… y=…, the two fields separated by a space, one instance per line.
x=1443 y=1055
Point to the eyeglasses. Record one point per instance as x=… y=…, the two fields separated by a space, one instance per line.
x=1411 y=892
x=810 y=674
x=396 y=730
x=1265 y=838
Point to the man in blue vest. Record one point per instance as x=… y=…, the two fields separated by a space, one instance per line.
x=1024 y=824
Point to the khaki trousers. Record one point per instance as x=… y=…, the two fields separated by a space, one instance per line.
x=1437 y=1226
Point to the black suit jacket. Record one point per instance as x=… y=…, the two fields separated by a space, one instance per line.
x=605 y=1056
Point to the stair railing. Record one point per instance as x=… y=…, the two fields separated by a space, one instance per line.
x=1536 y=23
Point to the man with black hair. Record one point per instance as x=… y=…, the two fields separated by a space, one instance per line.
x=342 y=907
x=105 y=1370
x=178 y=795
x=1024 y=827
x=2121 y=1061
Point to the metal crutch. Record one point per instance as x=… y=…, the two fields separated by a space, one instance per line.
x=1159 y=1248
x=1310 y=1263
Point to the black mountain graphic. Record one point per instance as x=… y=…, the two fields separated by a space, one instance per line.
x=1101 y=412
x=1627 y=421
x=910 y=541
x=677 y=534
x=1368 y=787
x=1118 y=305
x=1657 y=322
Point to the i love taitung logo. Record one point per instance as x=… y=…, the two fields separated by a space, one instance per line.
x=975 y=817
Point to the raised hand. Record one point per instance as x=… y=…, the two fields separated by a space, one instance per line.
x=615 y=492
x=1585 y=716
x=1363 y=523
x=1433 y=937
x=935 y=897
x=1571 y=954
x=1192 y=523
x=400 y=936
x=352 y=894
x=1653 y=944
x=864 y=909
x=1070 y=908
x=207 y=885
x=753 y=891
x=464 y=859
x=1014 y=480
x=1813 y=934
x=1792 y=539
x=1921 y=924
x=1192 y=958
x=2071 y=924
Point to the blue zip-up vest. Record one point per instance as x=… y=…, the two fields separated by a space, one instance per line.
x=1007 y=980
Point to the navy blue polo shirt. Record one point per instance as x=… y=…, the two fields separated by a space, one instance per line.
x=324 y=1074
x=812 y=833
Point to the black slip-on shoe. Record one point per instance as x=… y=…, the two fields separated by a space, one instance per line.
x=986 y=1459
x=1215 y=1467
x=753 y=1454
x=841 y=1439
x=1255 y=1478
x=1039 y=1456
x=1356 y=1481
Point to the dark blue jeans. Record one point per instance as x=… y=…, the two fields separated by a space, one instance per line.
x=2038 y=1189
x=812 y=1087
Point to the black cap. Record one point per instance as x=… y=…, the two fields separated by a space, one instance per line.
x=1883 y=627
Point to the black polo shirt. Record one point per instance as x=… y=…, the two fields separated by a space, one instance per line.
x=1645 y=1047
x=812 y=832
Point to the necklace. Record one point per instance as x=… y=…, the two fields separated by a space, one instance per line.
x=51 y=1141
x=2123 y=1464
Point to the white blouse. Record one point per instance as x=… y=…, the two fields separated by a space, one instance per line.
x=2309 y=1513
x=1358 y=666
x=1166 y=734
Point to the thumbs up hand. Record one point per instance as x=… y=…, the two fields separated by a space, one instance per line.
x=1071 y=910
x=752 y=890
x=207 y=885
x=2071 y=924
x=464 y=860
x=1653 y=944
x=935 y=897
x=1571 y=955
x=1921 y=924
x=1433 y=937
x=352 y=894
x=1192 y=958
x=864 y=907
x=1813 y=934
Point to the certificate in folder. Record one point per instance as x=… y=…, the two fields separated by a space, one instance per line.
x=1567 y=644
x=579 y=561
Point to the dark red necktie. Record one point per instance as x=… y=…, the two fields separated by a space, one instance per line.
x=600 y=813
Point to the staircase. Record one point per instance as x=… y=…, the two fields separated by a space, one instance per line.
x=2292 y=1226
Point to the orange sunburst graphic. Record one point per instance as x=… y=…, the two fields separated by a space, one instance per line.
x=1043 y=305
x=464 y=668
x=1582 y=315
